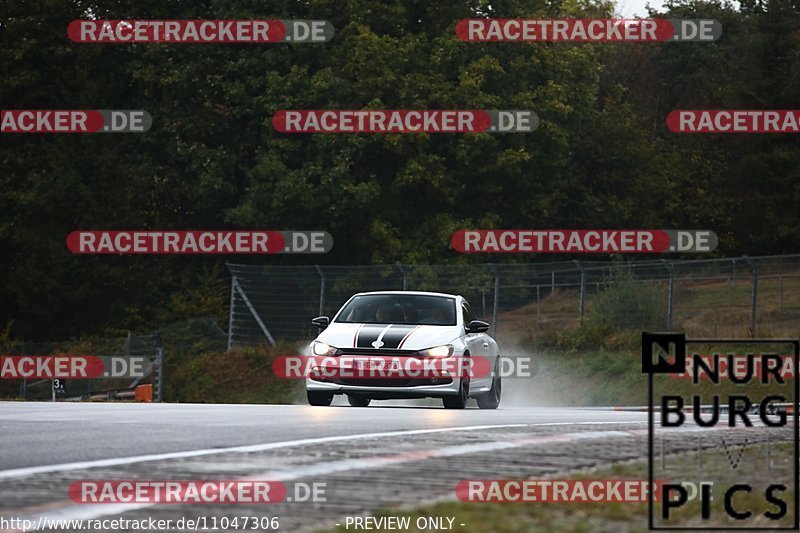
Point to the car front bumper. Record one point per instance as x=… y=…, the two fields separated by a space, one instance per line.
x=445 y=382
x=391 y=389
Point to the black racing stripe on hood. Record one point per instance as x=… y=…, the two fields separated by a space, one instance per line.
x=367 y=335
x=395 y=334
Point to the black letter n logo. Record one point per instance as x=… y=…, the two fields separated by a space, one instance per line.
x=663 y=353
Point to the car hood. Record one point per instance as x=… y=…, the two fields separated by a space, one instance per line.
x=393 y=336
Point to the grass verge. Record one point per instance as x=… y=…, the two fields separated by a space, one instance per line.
x=242 y=375
x=616 y=517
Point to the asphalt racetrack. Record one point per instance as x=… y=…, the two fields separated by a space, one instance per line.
x=366 y=459
x=37 y=434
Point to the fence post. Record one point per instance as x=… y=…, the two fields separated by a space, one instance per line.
x=253 y=312
x=404 y=269
x=321 y=290
x=552 y=282
x=670 y=291
x=160 y=381
x=496 y=297
x=754 y=268
x=230 y=311
x=730 y=291
x=582 y=304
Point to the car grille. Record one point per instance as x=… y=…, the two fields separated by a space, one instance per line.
x=380 y=381
x=400 y=382
x=366 y=352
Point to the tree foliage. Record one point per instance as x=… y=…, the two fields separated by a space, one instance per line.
x=602 y=156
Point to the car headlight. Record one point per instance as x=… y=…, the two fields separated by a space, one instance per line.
x=446 y=350
x=320 y=348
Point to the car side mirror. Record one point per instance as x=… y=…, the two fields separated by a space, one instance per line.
x=321 y=322
x=477 y=326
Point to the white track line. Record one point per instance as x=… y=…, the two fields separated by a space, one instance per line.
x=91 y=511
x=64 y=467
x=99 y=463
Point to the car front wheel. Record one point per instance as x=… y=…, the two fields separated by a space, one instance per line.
x=459 y=401
x=358 y=401
x=491 y=399
x=319 y=398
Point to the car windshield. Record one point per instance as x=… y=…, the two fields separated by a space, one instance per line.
x=420 y=310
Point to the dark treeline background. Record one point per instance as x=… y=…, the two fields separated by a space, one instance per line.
x=602 y=157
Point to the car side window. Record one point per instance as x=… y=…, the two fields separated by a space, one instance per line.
x=469 y=315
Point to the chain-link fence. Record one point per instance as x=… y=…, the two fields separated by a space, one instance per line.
x=177 y=341
x=743 y=296
x=146 y=350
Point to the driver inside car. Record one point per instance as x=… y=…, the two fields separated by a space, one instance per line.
x=438 y=316
x=385 y=314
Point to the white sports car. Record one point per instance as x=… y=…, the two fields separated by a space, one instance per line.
x=407 y=326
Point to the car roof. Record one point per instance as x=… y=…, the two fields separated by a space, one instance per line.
x=413 y=293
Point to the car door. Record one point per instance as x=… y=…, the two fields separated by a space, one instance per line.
x=479 y=346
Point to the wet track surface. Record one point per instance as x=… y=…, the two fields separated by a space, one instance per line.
x=369 y=458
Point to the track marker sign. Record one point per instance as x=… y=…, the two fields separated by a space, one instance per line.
x=58 y=388
x=726 y=441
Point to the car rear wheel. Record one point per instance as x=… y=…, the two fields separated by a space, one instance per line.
x=491 y=399
x=320 y=398
x=459 y=401
x=358 y=401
